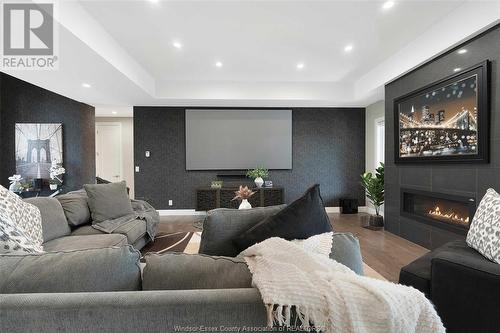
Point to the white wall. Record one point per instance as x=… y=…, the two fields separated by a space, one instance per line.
x=127 y=147
x=374 y=112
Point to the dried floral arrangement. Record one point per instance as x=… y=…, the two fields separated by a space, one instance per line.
x=243 y=193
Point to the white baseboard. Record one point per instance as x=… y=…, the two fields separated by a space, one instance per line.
x=188 y=212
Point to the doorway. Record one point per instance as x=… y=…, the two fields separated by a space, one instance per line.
x=109 y=155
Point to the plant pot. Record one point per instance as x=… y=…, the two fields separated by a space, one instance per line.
x=375 y=222
x=53 y=187
x=245 y=204
x=259 y=182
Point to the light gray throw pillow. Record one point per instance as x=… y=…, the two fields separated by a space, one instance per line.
x=108 y=201
x=484 y=232
x=179 y=271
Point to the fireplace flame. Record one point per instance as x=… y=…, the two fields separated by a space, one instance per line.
x=449 y=216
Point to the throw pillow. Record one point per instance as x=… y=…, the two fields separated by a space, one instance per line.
x=108 y=201
x=23 y=215
x=14 y=240
x=76 y=208
x=302 y=219
x=484 y=232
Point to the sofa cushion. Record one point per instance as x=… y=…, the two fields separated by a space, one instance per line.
x=134 y=230
x=108 y=201
x=222 y=225
x=72 y=243
x=76 y=208
x=418 y=273
x=303 y=218
x=179 y=271
x=23 y=215
x=484 y=232
x=93 y=270
x=54 y=223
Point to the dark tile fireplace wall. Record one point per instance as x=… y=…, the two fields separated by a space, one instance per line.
x=328 y=148
x=21 y=101
x=470 y=180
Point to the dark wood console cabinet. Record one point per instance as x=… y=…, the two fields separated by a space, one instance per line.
x=209 y=198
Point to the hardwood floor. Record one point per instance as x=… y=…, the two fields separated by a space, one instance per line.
x=386 y=253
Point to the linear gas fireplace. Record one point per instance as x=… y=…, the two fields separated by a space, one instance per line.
x=450 y=212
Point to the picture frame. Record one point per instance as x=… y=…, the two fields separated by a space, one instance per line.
x=37 y=145
x=446 y=121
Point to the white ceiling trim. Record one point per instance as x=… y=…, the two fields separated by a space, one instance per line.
x=76 y=19
x=468 y=20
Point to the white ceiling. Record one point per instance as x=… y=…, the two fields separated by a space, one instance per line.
x=124 y=50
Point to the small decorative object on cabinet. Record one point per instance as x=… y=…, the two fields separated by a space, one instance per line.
x=216 y=184
x=374 y=187
x=257 y=175
x=243 y=194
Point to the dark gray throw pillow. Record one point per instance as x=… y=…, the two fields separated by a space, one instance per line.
x=302 y=219
x=108 y=201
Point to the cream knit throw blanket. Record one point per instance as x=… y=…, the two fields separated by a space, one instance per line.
x=330 y=297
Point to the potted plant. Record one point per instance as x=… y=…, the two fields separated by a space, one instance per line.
x=243 y=194
x=257 y=175
x=374 y=187
x=56 y=173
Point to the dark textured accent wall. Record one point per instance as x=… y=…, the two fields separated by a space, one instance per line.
x=23 y=102
x=328 y=148
x=470 y=180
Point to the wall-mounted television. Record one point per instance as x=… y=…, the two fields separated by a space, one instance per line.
x=238 y=139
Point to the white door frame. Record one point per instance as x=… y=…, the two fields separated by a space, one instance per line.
x=120 y=148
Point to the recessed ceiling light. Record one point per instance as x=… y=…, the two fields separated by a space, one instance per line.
x=177 y=45
x=458 y=69
x=462 y=51
x=300 y=65
x=348 y=48
x=388 y=5
x=218 y=64
x=114 y=112
x=86 y=85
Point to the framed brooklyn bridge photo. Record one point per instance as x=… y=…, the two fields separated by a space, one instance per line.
x=447 y=121
x=37 y=146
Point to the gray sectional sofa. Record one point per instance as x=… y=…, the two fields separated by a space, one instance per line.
x=92 y=282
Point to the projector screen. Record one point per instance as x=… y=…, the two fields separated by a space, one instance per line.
x=238 y=139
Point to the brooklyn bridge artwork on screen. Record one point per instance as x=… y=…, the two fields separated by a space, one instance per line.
x=440 y=122
x=37 y=145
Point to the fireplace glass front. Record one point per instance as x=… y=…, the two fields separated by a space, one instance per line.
x=441 y=210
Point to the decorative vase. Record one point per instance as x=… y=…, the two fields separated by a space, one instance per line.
x=245 y=204
x=53 y=187
x=259 y=181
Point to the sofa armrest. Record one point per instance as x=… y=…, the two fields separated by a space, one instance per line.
x=466 y=292
x=139 y=311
